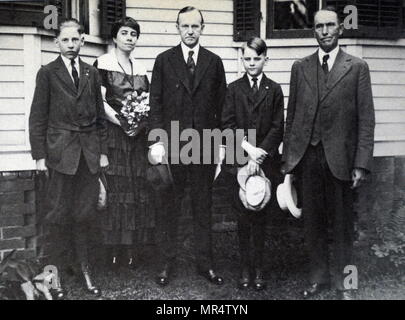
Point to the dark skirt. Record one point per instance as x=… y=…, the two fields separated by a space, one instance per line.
x=130 y=216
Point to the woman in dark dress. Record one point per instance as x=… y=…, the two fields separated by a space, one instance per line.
x=129 y=215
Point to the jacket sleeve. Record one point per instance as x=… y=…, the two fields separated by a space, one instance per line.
x=39 y=115
x=275 y=135
x=101 y=118
x=292 y=100
x=220 y=92
x=228 y=117
x=156 y=97
x=366 y=120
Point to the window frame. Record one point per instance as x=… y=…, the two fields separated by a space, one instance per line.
x=363 y=32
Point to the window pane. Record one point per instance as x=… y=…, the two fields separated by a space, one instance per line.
x=294 y=15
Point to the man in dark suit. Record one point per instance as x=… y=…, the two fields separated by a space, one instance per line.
x=68 y=142
x=188 y=87
x=328 y=145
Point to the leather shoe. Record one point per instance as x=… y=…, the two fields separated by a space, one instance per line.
x=314 y=289
x=162 y=278
x=212 y=277
x=346 y=295
x=259 y=283
x=58 y=294
x=244 y=280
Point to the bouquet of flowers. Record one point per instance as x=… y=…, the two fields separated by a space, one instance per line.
x=134 y=111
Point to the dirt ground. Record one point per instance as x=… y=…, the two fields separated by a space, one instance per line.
x=285 y=269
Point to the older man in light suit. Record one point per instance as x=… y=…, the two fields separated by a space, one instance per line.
x=328 y=145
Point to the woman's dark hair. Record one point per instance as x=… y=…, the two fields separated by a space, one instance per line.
x=125 y=22
x=257 y=44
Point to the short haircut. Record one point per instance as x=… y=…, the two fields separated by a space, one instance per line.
x=125 y=22
x=329 y=8
x=257 y=44
x=188 y=9
x=70 y=22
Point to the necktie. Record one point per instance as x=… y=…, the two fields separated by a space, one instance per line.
x=255 y=88
x=325 y=63
x=191 y=63
x=75 y=75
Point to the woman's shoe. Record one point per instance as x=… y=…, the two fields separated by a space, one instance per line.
x=58 y=294
x=94 y=290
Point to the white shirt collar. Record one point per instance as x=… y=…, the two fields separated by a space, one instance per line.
x=68 y=64
x=259 y=79
x=186 y=49
x=332 y=56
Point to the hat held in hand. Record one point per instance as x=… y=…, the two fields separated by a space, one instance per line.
x=287 y=197
x=255 y=190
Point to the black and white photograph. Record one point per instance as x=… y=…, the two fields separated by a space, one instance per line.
x=213 y=151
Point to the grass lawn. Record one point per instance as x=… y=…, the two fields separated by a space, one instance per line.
x=285 y=267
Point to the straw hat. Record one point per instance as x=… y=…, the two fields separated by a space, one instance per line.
x=255 y=190
x=287 y=197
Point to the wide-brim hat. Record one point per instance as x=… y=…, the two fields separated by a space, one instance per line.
x=255 y=190
x=287 y=197
x=160 y=177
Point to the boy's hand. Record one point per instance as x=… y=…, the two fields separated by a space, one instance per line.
x=103 y=161
x=256 y=154
x=41 y=166
x=253 y=167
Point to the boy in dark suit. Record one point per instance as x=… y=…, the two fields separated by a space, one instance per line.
x=255 y=102
x=67 y=135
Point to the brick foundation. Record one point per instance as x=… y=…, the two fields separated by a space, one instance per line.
x=17 y=214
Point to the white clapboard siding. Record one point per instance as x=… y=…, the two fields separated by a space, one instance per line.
x=12 y=138
x=170 y=15
x=11 y=57
x=389 y=103
x=12 y=106
x=389 y=148
x=158 y=29
x=204 y=5
x=11 y=41
x=386 y=64
x=12 y=122
x=11 y=73
x=12 y=89
x=387 y=67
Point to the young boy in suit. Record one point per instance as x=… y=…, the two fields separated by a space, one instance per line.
x=255 y=102
x=68 y=135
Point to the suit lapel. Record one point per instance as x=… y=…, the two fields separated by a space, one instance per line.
x=63 y=74
x=179 y=67
x=203 y=62
x=310 y=72
x=340 y=68
x=245 y=87
x=84 y=74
